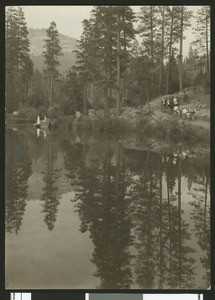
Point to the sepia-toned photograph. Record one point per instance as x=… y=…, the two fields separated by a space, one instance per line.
x=107 y=154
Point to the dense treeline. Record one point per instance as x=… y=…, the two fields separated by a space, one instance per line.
x=122 y=58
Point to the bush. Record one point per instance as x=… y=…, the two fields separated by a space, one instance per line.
x=42 y=111
x=54 y=113
x=100 y=123
x=145 y=126
x=69 y=107
x=172 y=130
x=119 y=124
x=85 y=123
x=37 y=100
x=67 y=122
x=28 y=113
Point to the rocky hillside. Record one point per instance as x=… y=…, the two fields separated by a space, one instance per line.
x=68 y=44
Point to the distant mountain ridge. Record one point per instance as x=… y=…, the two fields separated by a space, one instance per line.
x=68 y=45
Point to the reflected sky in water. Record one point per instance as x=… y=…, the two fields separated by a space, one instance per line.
x=105 y=213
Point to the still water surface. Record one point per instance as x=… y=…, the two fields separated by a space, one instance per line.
x=86 y=213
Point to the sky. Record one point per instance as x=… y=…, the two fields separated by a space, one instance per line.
x=69 y=19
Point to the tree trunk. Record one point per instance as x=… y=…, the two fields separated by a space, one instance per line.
x=106 y=103
x=118 y=68
x=180 y=53
x=162 y=54
x=161 y=228
x=151 y=33
x=51 y=89
x=205 y=208
x=85 y=99
x=117 y=180
x=206 y=34
x=170 y=52
x=169 y=224
x=179 y=223
x=147 y=100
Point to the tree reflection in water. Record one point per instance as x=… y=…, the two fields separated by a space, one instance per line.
x=50 y=198
x=18 y=170
x=201 y=215
x=131 y=203
x=104 y=210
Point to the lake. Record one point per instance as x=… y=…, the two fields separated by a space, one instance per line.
x=105 y=212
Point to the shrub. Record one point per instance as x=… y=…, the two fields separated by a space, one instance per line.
x=28 y=113
x=85 y=123
x=42 y=111
x=54 y=113
x=145 y=126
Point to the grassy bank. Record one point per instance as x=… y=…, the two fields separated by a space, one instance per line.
x=143 y=124
x=171 y=130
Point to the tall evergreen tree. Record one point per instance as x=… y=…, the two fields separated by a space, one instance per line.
x=85 y=59
x=19 y=67
x=104 y=27
x=38 y=90
x=125 y=35
x=147 y=30
x=173 y=37
x=161 y=22
x=202 y=33
x=51 y=56
x=190 y=67
x=98 y=52
x=74 y=92
x=185 y=16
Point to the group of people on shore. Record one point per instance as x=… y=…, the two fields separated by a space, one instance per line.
x=172 y=105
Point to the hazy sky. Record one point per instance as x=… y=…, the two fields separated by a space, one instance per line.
x=69 y=18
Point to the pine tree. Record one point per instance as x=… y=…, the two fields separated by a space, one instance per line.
x=19 y=67
x=85 y=59
x=185 y=16
x=37 y=90
x=100 y=52
x=51 y=55
x=125 y=35
x=73 y=88
x=202 y=33
x=147 y=30
x=10 y=59
x=173 y=38
x=162 y=48
x=190 y=66
x=104 y=34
